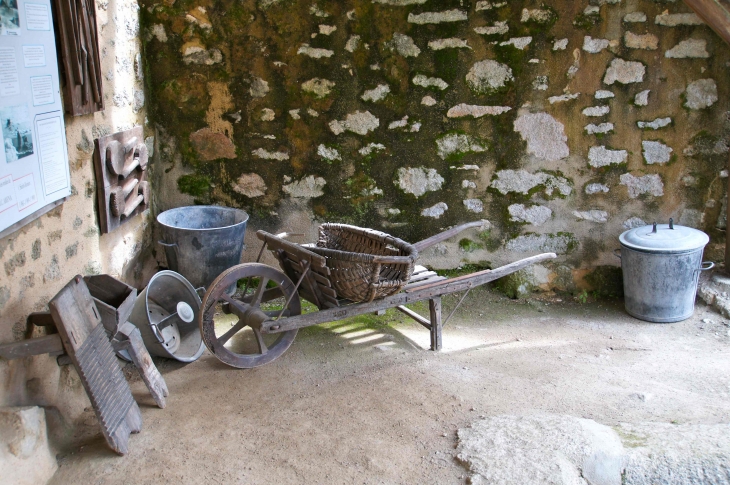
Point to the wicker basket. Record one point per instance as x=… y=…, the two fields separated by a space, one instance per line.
x=364 y=264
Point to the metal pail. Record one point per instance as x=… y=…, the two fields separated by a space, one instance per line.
x=202 y=241
x=661 y=266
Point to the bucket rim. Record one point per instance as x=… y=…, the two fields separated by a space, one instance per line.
x=217 y=207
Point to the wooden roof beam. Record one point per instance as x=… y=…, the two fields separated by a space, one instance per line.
x=715 y=13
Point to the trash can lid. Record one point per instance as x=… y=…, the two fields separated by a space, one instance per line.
x=664 y=238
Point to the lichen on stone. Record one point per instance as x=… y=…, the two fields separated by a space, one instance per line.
x=498 y=28
x=307 y=188
x=689 y=49
x=536 y=215
x=545 y=136
x=314 y=52
x=376 y=94
x=454 y=15
x=647 y=184
x=451 y=43
x=701 y=94
x=560 y=243
x=600 y=129
x=596 y=188
x=656 y=152
x=403 y=45
x=328 y=153
x=319 y=87
x=654 y=125
x=267 y=155
x=593 y=215
x=600 y=156
x=523 y=182
x=429 y=82
x=435 y=211
x=358 y=122
x=488 y=76
x=624 y=72
x=250 y=184
x=462 y=110
x=474 y=205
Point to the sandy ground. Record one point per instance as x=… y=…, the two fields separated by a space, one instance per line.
x=363 y=401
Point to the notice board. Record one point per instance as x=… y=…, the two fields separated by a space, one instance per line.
x=34 y=170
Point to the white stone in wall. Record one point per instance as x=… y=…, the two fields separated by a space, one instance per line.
x=268 y=114
x=314 y=52
x=540 y=83
x=498 y=28
x=319 y=87
x=358 y=122
x=327 y=29
x=250 y=184
x=701 y=94
x=596 y=189
x=594 y=111
x=487 y=76
x=634 y=222
x=675 y=19
x=592 y=10
x=122 y=97
x=317 y=12
x=560 y=45
x=306 y=188
x=454 y=15
x=401 y=123
x=656 y=152
x=328 y=153
x=267 y=155
x=468 y=184
x=393 y=212
x=474 y=205
x=691 y=218
x=517 y=42
x=418 y=180
x=370 y=148
x=537 y=15
x=533 y=243
x=624 y=72
x=428 y=101
x=457 y=143
x=195 y=54
x=403 y=45
x=435 y=211
x=635 y=17
x=573 y=69
x=376 y=94
x=563 y=98
x=600 y=156
x=158 y=31
x=451 y=43
x=689 y=49
x=594 y=46
x=400 y=3
x=487 y=5
x=521 y=181
x=592 y=215
x=603 y=94
x=642 y=98
x=648 y=42
x=654 y=125
x=259 y=88
x=294 y=113
x=428 y=82
x=138 y=100
x=312 y=113
x=462 y=110
x=352 y=43
x=647 y=184
x=599 y=129
x=473 y=168
x=545 y=136
x=536 y=215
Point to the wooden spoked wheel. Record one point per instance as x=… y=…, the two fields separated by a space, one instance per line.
x=231 y=325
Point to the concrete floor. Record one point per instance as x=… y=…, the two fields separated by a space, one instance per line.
x=363 y=401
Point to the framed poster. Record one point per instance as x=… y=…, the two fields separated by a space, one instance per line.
x=34 y=171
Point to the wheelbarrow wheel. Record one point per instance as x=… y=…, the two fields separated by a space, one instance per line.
x=231 y=325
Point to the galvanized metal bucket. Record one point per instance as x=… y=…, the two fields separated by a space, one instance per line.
x=166 y=313
x=661 y=265
x=202 y=241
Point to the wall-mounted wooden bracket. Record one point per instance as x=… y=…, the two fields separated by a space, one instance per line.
x=120 y=164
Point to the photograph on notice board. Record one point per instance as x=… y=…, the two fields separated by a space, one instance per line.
x=17 y=134
x=9 y=20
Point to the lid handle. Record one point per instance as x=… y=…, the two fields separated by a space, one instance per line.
x=671 y=223
x=654 y=230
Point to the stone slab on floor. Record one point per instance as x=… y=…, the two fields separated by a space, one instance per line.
x=565 y=450
x=25 y=457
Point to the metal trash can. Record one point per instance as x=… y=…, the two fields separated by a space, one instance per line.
x=202 y=241
x=661 y=266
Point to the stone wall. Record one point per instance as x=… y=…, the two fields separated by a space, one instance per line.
x=39 y=259
x=560 y=123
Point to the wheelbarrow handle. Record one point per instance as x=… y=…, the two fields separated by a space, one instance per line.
x=427 y=243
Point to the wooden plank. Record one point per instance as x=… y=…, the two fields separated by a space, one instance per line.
x=434 y=307
x=427 y=243
x=428 y=281
x=50 y=344
x=714 y=14
x=424 y=292
x=415 y=316
x=130 y=339
x=422 y=276
x=274 y=243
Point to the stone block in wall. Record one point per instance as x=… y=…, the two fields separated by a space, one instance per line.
x=25 y=456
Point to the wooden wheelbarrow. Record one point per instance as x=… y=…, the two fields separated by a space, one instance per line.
x=269 y=314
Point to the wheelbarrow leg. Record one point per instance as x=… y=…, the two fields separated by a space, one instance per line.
x=434 y=306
